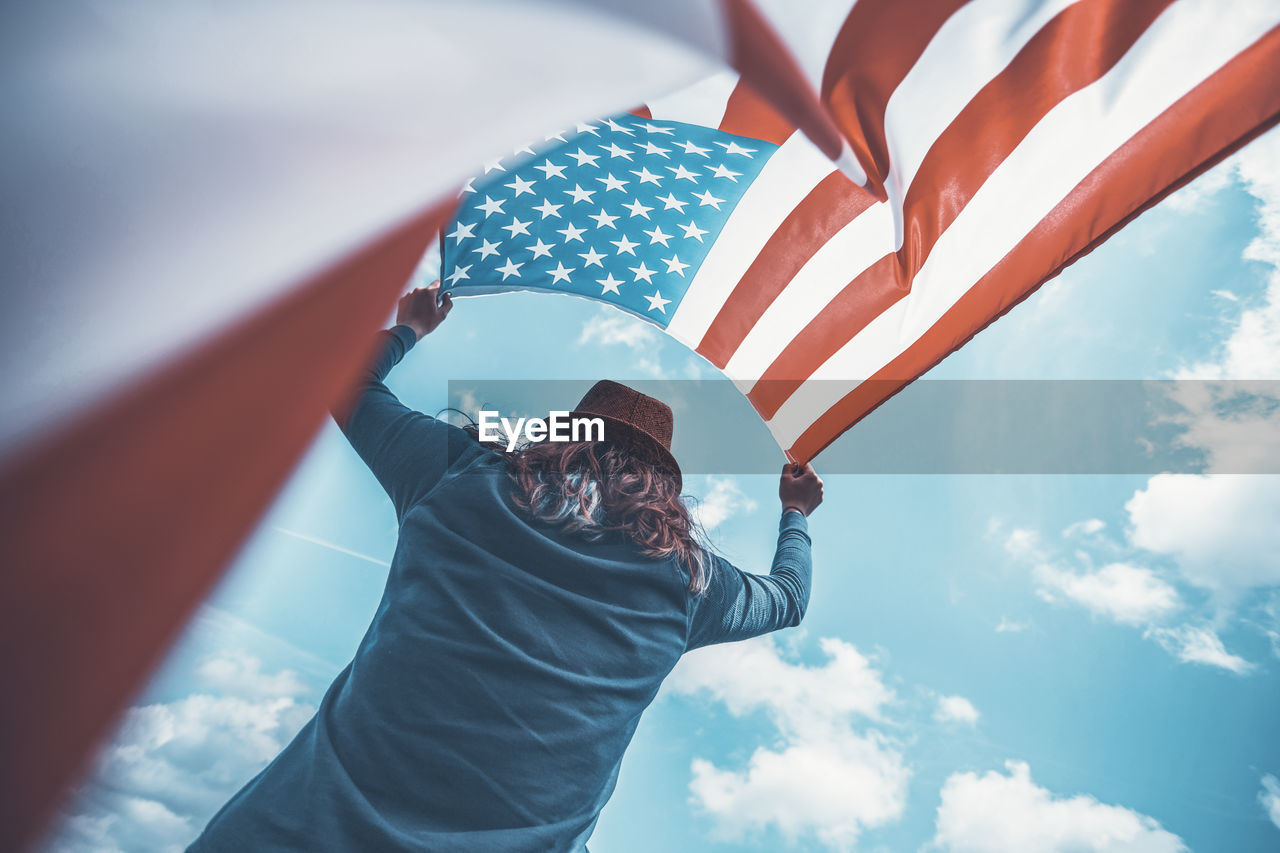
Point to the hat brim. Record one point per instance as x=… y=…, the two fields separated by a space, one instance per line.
x=619 y=430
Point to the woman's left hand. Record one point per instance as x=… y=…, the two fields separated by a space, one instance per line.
x=423 y=309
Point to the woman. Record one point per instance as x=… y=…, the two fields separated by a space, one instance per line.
x=535 y=603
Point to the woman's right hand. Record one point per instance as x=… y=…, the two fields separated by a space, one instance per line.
x=800 y=488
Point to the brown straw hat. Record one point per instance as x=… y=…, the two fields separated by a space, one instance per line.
x=628 y=415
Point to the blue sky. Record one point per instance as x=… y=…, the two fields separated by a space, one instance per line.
x=989 y=663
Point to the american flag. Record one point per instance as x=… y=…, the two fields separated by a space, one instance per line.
x=984 y=147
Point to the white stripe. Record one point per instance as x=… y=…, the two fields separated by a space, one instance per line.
x=1182 y=47
x=973 y=46
x=810 y=35
x=856 y=246
x=793 y=170
x=703 y=103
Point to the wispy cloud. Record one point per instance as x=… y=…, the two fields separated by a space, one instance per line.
x=1199 y=644
x=955 y=709
x=1120 y=591
x=324 y=543
x=1269 y=796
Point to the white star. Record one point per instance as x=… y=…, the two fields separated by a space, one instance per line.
x=653 y=128
x=523 y=149
x=735 y=148
x=643 y=272
x=650 y=148
x=521 y=186
x=674 y=265
x=647 y=177
x=670 y=201
x=509 y=269
x=656 y=236
x=588 y=128
x=548 y=169
x=693 y=231
x=657 y=302
x=462 y=232
x=612 y=183
x=616 y=150
x=638 y=209
x=584 y=158
x=721 y=172
x=552 y=136
x=487 y=249
x=491 y=206
x=681 y=172
x=579 y=194
x=625 y=245
x=707 y=198
x=540 y=249
x=494 y=164
x=517 y=227
x=592 y=257
x=690 y=148
x=603 y=219
x=619 y=128
x=610 y=284
x=468 y=187
x=561 y=273
x=458 y=274
x=548 y=209
x=571 y=233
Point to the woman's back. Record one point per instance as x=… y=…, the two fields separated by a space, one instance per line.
x=543 y=651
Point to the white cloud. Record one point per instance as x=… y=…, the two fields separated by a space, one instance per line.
x=832 y=776
x=1269 y=796
x=1221 y=529
x=1008 y=626
x=171 y=765
x=1130 y=595
x=998 y=813
x=1088 y=527
x=723 y=499
x=1193 y=644
x=956 y=709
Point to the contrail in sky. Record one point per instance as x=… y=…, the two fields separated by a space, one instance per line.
x=332 y=547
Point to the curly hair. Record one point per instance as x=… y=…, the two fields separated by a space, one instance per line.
x=595 y=488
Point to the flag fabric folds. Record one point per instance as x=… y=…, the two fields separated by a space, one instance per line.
x=994 y=143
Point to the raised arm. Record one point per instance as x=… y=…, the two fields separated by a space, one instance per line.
x=738 y=605
x=407 y=451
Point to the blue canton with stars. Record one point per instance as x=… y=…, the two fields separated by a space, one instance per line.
x=622 y=210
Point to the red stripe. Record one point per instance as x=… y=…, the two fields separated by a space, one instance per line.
x=749 y=114
x=764 y=61
x=879 y=43
x=1234 y=105
x=116 y=526
x=1070 y=52
x=828 y=207
x=642 y=111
